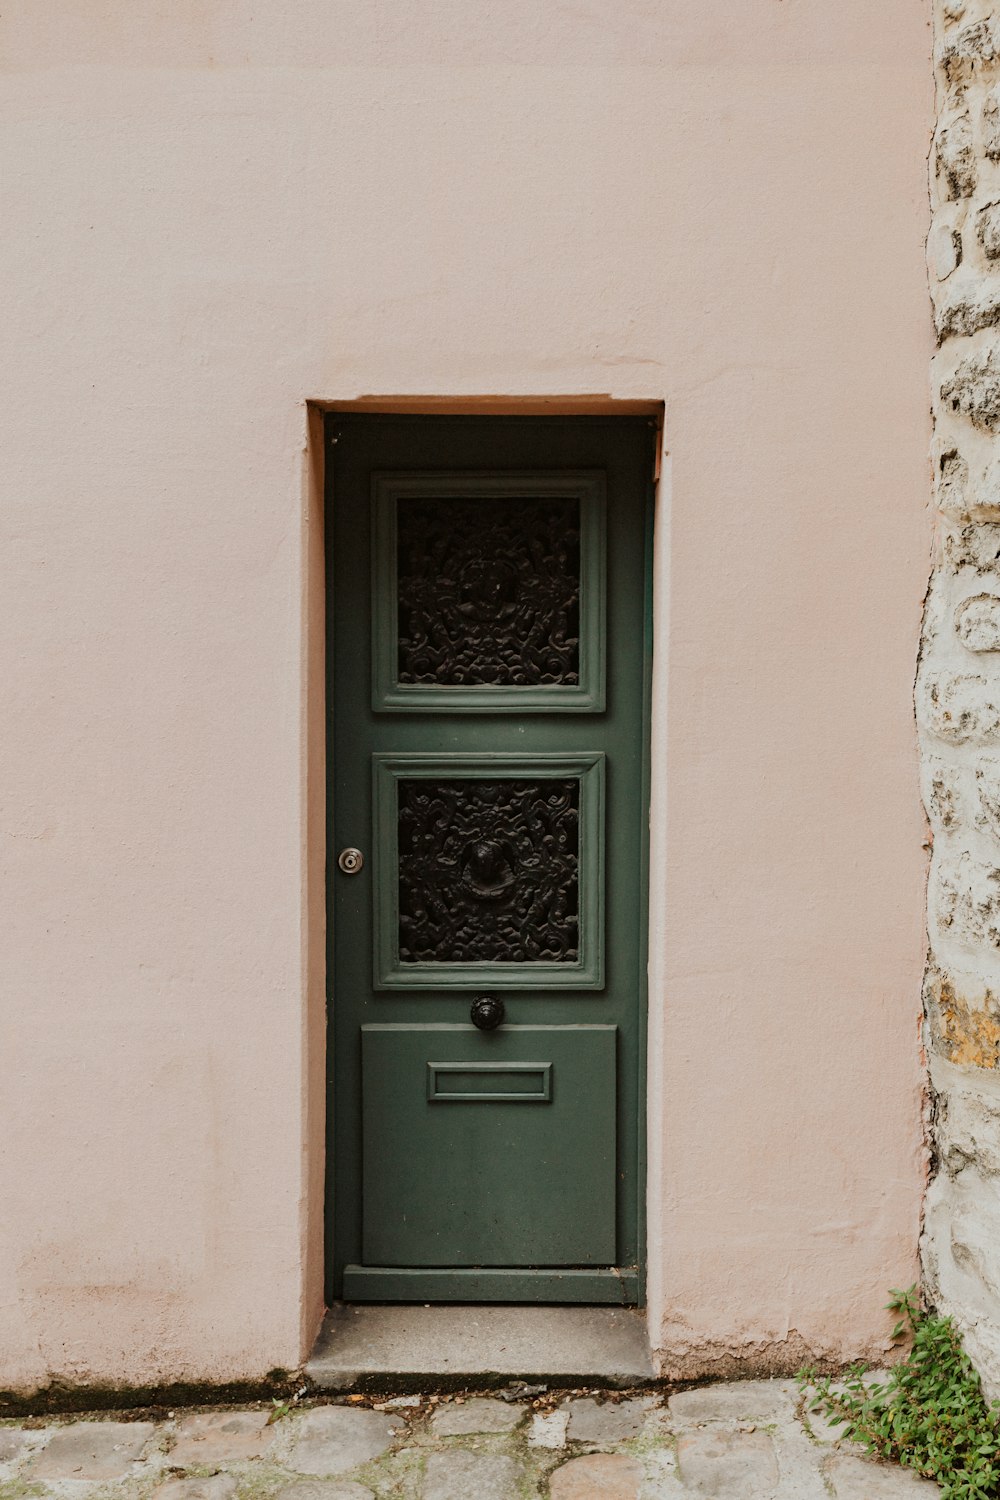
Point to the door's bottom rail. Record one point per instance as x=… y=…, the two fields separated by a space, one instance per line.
x=602 y=1284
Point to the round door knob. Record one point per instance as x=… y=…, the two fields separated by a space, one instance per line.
x=487 y=1012
x=350 y=861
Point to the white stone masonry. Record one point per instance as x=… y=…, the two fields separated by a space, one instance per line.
x=958 y=684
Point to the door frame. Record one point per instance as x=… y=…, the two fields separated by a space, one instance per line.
x=320 y=1213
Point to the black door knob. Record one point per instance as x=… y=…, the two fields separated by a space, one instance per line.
x=487 y=1012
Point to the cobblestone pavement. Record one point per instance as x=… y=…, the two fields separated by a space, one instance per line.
x=745 y=1441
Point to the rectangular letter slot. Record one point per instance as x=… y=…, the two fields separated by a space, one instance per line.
x=494 y=1082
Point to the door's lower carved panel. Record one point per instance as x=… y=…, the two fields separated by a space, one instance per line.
x=554 y=1106
x=490 y=870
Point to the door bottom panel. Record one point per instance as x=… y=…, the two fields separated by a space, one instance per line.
x=490 y=1149
x=425 y=1284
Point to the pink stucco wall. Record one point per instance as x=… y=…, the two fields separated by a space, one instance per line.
x=215 y=210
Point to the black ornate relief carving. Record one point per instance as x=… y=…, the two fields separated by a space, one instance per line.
x=489 y=871
x=489 y=591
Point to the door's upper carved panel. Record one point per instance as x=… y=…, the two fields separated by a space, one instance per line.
x=488 y=592
x=488 y=871
x=491 y=869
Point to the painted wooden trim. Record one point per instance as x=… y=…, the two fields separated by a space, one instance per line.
x=388 y=770
x=589 y=487
x=395 y=1284
x=646 y=927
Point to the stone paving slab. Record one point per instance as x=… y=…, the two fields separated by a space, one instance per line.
x=91 y=1450
x=324 y=1489
x=332 y=1440
x=598 y=1476
x=221 y=1437
x=759 y=1401
x=211 y=1487
x=548 y=1429
x=471 y=1476
x=716 y=1460
x=799 y=1459
x=856 y=1478
x=12 y=1440
x=745 y=1441
x=456 y=1419
x=606 y=1422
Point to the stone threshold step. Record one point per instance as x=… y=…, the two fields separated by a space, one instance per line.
x=383 y=1347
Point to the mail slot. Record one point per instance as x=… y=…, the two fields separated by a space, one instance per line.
x=497 y=1082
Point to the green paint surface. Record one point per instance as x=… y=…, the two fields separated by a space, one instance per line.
x=524 y=1184
x=490 y=1181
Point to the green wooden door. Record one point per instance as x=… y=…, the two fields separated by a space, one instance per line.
x=487 y=698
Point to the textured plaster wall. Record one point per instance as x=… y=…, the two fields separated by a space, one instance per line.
x=958 y=688
x=214 y=210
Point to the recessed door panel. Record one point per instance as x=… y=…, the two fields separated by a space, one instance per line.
x=488 y=592
x=492 y=870
x=489 y=1151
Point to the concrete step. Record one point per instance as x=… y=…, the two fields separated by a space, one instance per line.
x=402 y=1347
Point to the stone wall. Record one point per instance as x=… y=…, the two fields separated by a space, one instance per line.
x=958 y=684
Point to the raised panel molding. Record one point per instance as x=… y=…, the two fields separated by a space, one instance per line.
x=499 y=874
x=524 y=605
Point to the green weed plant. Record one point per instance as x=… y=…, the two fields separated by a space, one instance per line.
x=930 y=1415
